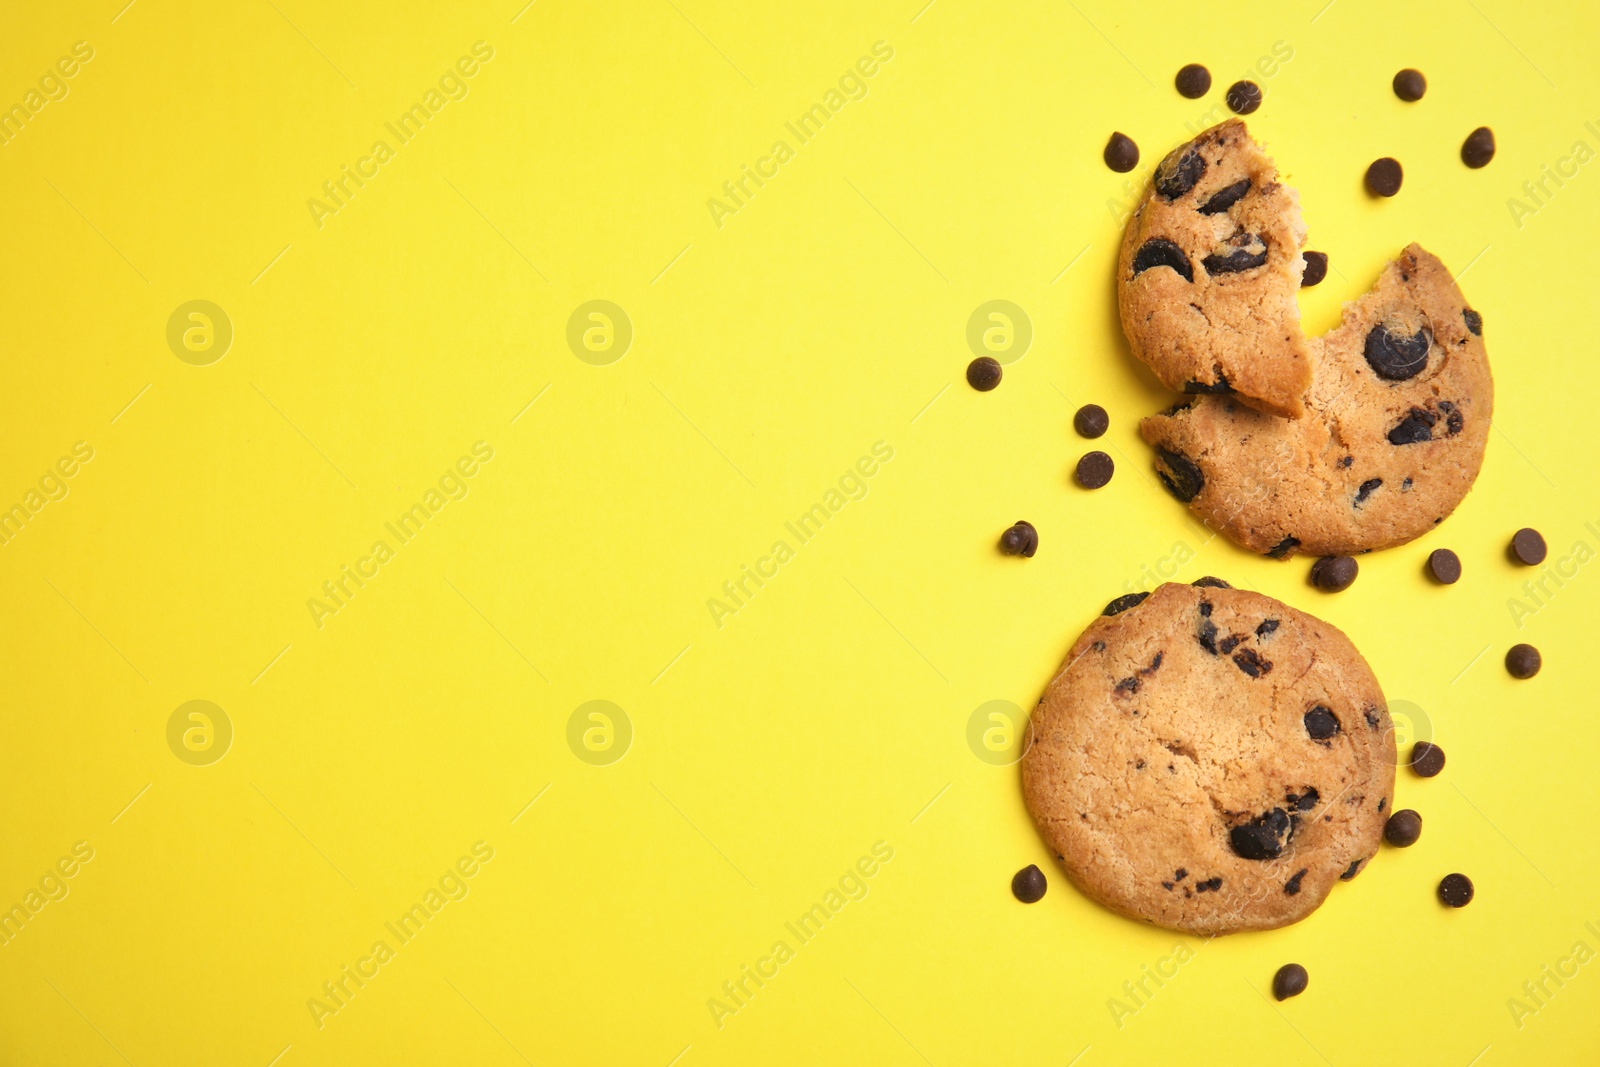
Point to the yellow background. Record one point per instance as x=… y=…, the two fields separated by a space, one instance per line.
x=768 y=355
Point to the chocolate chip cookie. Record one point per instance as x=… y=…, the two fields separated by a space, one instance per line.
x=1209 y=760
x=1209 y=268
x=1392 y=438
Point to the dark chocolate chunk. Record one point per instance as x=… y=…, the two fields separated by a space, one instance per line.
x=1209 y=582
x=1334 y=574
x=1382 y=803
x=1366 y=488
x=1384 y=177
x=983 y=373
x=1478 y=148
x=1121 y=154
x=1028 y=885
x=1193 y=81
x=1160 y=252
x=1394 y=357
x=1205 y=608
x=1182 y=478
x=1180 y=874
x=1527 y=547
x=1292 y=886
x=1178 y=172
x=1305 y=802
x=1453 y=419
x=1523 y=661
x=1091 y=420
x=1427 y=759
x=1403 y=828
x=1267 y=626
x=1240 y=259
x=1250 y=661
x=1123 y=603
x=1284 y=547
x=1223 y=199
x=1321 y=723
x=1230 y=643
x=1445 y=566
x=1351 y=871
x=1409 y=85
x=1414 y=429
x=1370 y=713
x=1094 y=470
x=1263 y=837
x=1207 y=636
x=1316 y=269
x=1020 y=540
x=1220 y=387
x=1244 y=97
x=1290 y=981
x=1455 y=891
x=1474 y=322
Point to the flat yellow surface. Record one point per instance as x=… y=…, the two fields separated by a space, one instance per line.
x=397 y=831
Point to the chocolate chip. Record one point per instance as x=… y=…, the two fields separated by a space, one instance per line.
x=1290 y=981
x=1455 y=891
x=1409 y=85
x=1028 y=885
x=1474 y=322
x=1250 y=661
x=1382 y=801
x=1123 y=603
x=1182 y=478
x=1094 y=470
x=1427 y=759
x=1415 y=429
x=1370 y=713
x=1267 y=626
x=983 y=373
x=1205 y=608
x=1091 y=420
x=1403 y=828
x=1316 y=269
x=1244 y=97
x=1351 y=871
x=1231 y=642
x=1263 y=837
x=1384 y=177
x=1121 y=154
x=1292 y=886
x=1365 y=489
x=1178 y=173
x=1209 y=582
x=1220 y=387
x=1180 y=874
x=1020 y=540
x=1282 y=549
x=1306 y=802
x=1239 y=259
x=1334 y=574
x=1206 y=634
x=1321 y=723
x=1527 y=547
x=1223 y=199
x=1445 y=566
x=1160 y=252
x=1193 y=81
x=1394 y=357
x=1478 y=148
x=1452 y=418
x=1523 y=661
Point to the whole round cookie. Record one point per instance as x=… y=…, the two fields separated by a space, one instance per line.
x=1208 y=272
x=1210 y=760
x=1392 y=437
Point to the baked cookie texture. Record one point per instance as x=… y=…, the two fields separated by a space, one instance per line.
x=1392 y=438
x=1208 y=272
x=1211 y=760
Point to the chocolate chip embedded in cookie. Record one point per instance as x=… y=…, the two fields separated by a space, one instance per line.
x=1207 y=276
x=1209 y=760
x=1392 y=438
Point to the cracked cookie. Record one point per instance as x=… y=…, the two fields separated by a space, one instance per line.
x=1208 y=272
x=1392 y=438
x=1209 y=760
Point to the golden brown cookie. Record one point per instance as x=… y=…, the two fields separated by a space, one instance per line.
x=1392 y=438
x=1208 y=272
x=1210 y=760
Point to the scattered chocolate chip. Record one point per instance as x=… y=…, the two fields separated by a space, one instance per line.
x=1382 y=801
x=1238 y=259
x=1251 y=662
x=1091 y=420
x=1321 y=723
x=1455 y=891
x=1244 y=97
x=1094 y=470
x=1123 y=603
x=1020 y=540
x=1282 y=549
x=1403 y=828
x=1178 y=172
x=1306 y=802
x=1207 y=633
x=1395 y=357
x=1427 y=759
x=1121 y=154
x=1263 y=837
x=1209 y=582
x=1160 y=252
x=1267 y=626
x=1334 y=574
x=1223 y=199
x=1193 y=81
x=1316 y=269
x=1292 y=886
x=1384 y=177
x=1523 y=661
x=1478 y=148
x=1474 y=322
x=1409 y=85
x=1182 y=478
x=1452 y=418
x=1527 y=547
x=1290 y=981
x=983 y=373
x=1370 y=713
x=1415 y=429
x=1366 y=489
x=1445 y=566
x=1220 y=387
x=1351 y=871
x=1028 y=885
